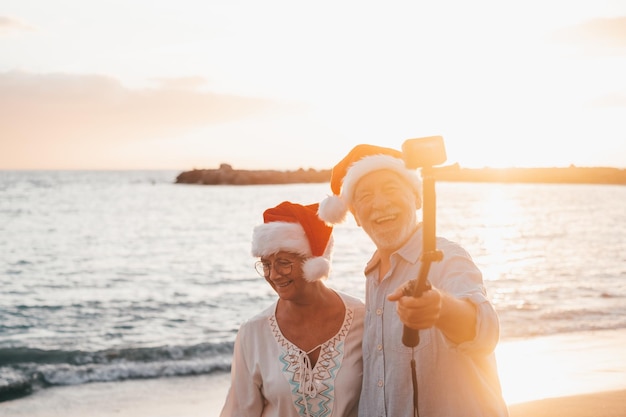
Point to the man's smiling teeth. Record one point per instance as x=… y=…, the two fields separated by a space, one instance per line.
x=385 y=218
x=284 y=284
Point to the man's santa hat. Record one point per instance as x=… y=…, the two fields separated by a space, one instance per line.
x=297 y=229
x=361 y=160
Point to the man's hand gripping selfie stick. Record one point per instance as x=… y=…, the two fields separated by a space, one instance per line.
x=424 y=153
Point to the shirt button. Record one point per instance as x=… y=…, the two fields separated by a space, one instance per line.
x=379 y=311
x=379 y=347
x=380 y=383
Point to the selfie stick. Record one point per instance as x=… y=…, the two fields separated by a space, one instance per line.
x=424 y=152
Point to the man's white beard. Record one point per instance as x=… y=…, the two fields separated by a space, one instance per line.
x=393 y=238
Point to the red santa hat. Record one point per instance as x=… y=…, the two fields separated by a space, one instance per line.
x=296 y=228
x=361 y=160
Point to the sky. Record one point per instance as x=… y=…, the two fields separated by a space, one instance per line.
x=283 y=84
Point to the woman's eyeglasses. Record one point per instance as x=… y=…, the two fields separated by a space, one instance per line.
x=281 y=266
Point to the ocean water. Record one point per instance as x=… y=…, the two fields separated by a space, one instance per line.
x=107 y=276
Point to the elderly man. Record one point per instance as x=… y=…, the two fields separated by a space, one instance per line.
x=454 y=372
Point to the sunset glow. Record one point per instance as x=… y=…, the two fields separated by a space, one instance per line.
x=284 y=85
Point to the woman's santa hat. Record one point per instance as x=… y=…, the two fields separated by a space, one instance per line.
x=297 y=229
x=361 y=160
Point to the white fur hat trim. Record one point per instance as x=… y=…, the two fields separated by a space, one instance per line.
x=274 y=237
x=333 y=209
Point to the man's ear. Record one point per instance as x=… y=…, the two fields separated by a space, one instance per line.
x=418 y=201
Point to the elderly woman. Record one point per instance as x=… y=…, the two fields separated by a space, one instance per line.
x=302 y=355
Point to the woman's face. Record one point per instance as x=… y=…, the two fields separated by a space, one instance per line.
x=283 y=271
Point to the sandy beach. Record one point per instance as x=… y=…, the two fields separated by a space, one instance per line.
x=573 y=375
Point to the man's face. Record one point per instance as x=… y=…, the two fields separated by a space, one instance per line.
x=385 y=206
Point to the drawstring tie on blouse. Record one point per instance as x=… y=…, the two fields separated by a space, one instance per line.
x=307 y=386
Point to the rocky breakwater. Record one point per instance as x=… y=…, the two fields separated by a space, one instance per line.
x=452 y=173
x=226 y=175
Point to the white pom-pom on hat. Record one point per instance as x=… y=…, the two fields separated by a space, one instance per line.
x=333 y=209
x=317 y=267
